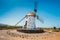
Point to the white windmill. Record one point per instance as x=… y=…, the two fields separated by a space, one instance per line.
x=30 y=19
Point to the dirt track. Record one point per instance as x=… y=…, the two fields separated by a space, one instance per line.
x=14 y=35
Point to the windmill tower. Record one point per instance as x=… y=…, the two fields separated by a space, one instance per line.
x=30 y=19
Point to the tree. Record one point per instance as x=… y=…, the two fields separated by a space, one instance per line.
x=54 y=27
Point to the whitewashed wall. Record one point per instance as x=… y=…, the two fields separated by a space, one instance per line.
x=30 y=22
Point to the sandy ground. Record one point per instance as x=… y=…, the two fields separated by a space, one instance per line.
x=14 y=35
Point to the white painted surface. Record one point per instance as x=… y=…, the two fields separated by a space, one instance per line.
x=30 y=22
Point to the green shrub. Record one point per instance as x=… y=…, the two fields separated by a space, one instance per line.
x=55 y=30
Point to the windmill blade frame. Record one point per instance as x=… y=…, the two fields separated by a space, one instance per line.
x=35 y=5
x=19 y=21
x=39 y=18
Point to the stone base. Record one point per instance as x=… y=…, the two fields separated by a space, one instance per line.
x=31 y=31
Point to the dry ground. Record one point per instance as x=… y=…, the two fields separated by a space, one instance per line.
x=14 y=35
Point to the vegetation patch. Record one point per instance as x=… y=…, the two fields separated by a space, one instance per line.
x=9 y=27
x=56 y=29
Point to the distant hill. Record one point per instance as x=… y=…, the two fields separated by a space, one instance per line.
x=3 y=24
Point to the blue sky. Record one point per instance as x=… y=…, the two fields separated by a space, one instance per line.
x=11 y=11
